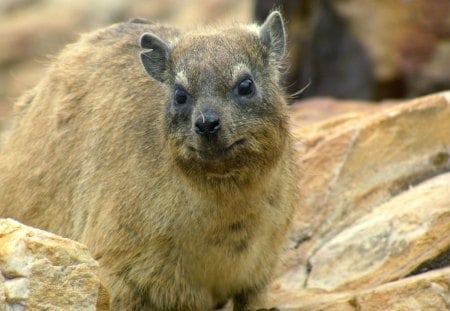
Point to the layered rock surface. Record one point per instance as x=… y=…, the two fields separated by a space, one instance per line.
x=42 y=271
x=389 y=242
x=374 y=208
x=429 y=291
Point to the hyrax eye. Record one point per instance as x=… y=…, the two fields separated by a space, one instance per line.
x=246 y=87
x=181 y=96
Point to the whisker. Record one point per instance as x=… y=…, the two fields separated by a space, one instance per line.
x=295 y=94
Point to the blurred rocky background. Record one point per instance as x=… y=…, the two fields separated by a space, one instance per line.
x=346 y=49
x=372 y=226
x=32 y=32
x=366 y=49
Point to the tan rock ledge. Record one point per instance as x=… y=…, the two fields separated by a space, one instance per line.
x=428 y=291
x=42 y=271
x=389 y=242
x=359 y=157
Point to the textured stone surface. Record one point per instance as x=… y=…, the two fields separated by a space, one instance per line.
x=375 y=203
x=41 y=271
x=356 y=161
x=429 y=291
x=389 y=242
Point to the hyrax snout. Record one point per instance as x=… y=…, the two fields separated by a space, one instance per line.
x=207 y=125
x=167 y=152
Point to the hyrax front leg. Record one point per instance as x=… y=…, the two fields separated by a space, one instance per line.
x=163 y=292
x=250 y=300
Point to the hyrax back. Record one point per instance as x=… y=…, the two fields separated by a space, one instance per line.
x=171 y=161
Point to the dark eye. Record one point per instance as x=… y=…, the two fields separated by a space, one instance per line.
x=246 y=87
x=180 y=96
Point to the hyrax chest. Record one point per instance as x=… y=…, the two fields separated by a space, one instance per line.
x=224 y=248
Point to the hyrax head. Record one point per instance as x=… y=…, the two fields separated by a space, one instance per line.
x=225 y=113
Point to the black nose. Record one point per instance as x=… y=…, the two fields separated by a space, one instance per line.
x=207 y=123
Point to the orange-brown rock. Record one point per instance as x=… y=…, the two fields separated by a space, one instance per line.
x=358 y=160
x=375 y=203
x=389 y=242
x=428 y=291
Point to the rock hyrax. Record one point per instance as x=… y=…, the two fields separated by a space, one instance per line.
x=168 y=154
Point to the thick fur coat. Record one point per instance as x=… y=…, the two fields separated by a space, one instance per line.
x=108 y=151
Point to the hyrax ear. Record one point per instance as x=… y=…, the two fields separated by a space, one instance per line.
x=273 y=35
x=155 y=61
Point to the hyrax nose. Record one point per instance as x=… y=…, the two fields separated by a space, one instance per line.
x=207 y=124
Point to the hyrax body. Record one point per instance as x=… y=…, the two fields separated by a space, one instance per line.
x=170 y=159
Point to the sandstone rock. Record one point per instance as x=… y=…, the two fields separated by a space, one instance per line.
x=428 y=291
x=42 y=271
x=389 y=242
x=352 y=164
x=433 y=77
x=318 y=109
x=357 y=161
x=405 y=40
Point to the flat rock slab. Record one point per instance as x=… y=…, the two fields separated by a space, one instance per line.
x=388 y=243
x=352 y=162
x=356 y=161
x=428 y=291
x=42 y=271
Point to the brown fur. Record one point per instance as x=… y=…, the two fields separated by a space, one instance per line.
x=98 y=154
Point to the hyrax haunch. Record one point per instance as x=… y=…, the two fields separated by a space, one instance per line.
x=168 y=154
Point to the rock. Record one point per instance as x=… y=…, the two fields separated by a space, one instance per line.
x=389 y=242
x=42 y=271
x=433 y=77
x=374 y=176
x=354 y=162
x=313 y=110
x=428 y=291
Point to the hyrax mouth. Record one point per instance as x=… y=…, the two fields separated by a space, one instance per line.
x=213 y=151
